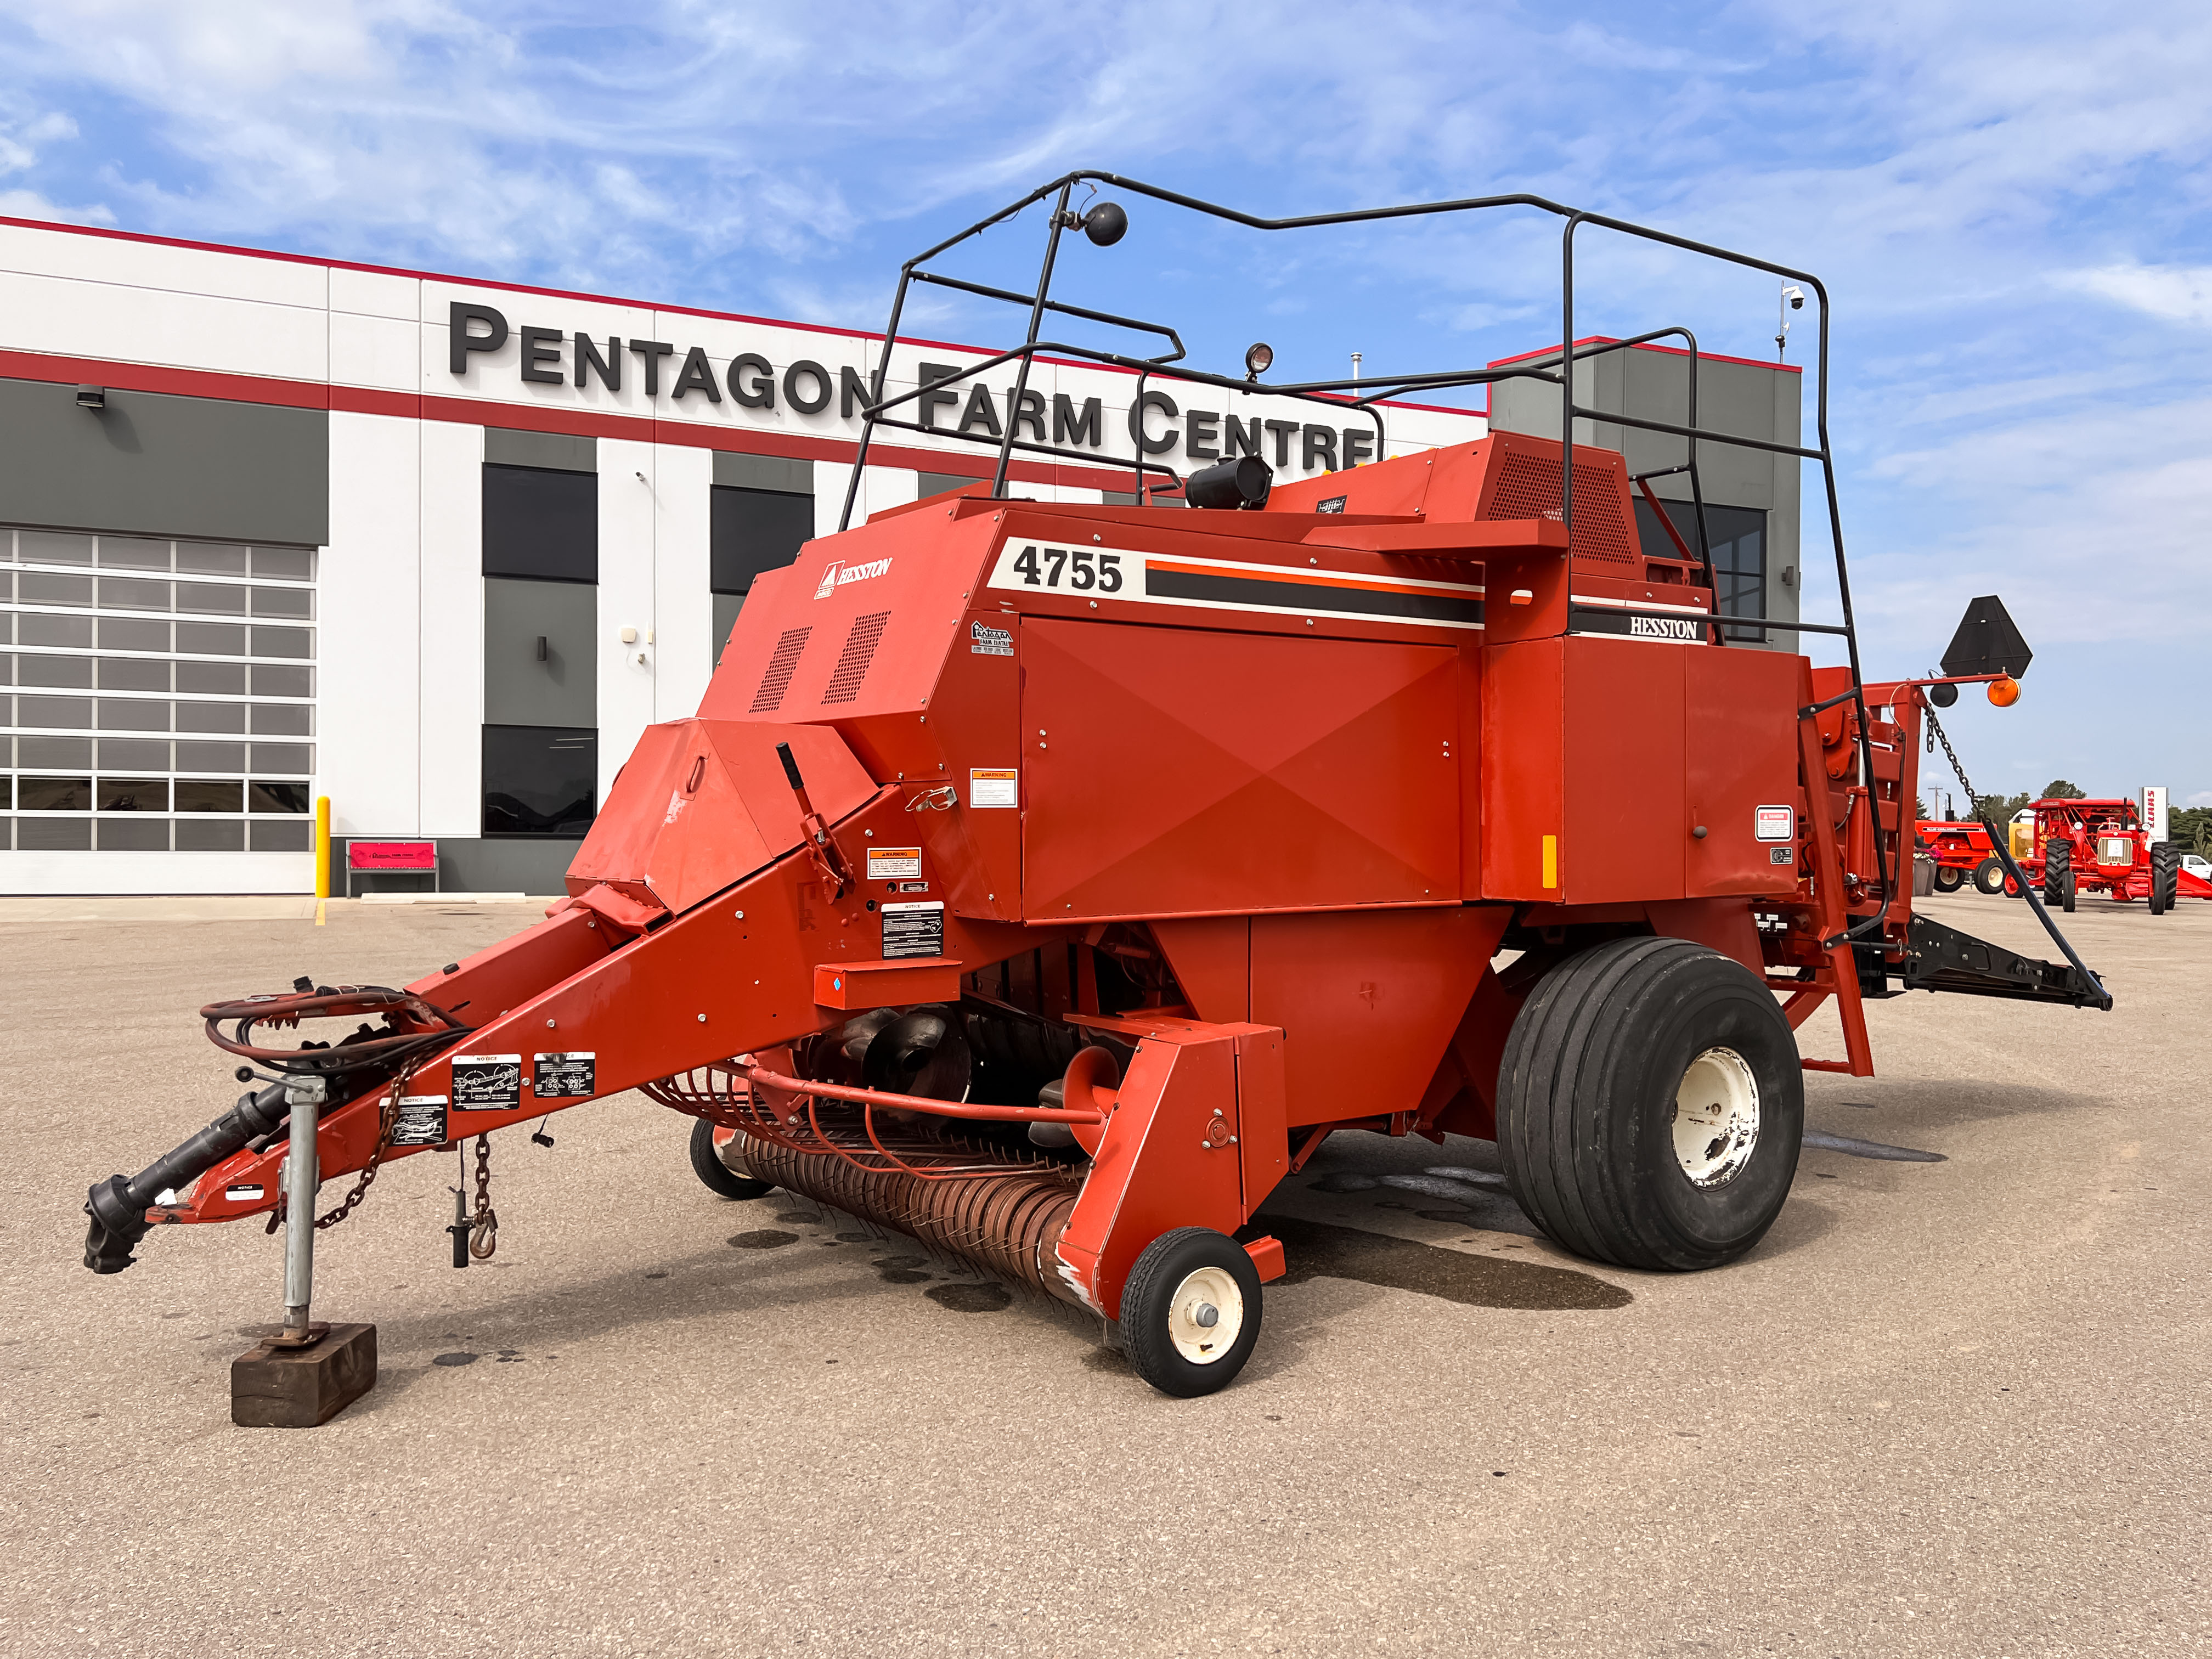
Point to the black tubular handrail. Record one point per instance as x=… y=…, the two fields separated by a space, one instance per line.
x=1369 y=394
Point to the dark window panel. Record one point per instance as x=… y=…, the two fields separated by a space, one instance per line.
x=212 y=717
x=282 y=680
x=6 y=801
x=293 y=564
x=752 y=530
x=210 y=834
x=541 y=524
x=211 y=599
x=282 y=719
x=132 y=593
x=133 y=714
x=132 y=795
x=133 y=835
x=48 y=547
x=6 y=627
x=727 y=606
x=133 y=674
x=7 y=668
x=210 y=559
x=54 y=754
x=53 y=794
x=284 y=643
x=35 y=629
x=124 y=553
x=285 y=602
x=210 y=795
x=133 y=633
x=266 y=837
x=210 y=757
x=212 y=678
x=211 y=639
x=53 y=835
x=133 y=755
x=264 y=796
x=539 y=779
x=55 y=671
x=68 y=713
x=45 y=587
x=299 y=757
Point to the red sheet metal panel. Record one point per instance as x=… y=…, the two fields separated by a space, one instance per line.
x=702 y=804
x=1741 y=755
x=1178 y=771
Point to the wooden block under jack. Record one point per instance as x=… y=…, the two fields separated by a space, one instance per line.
x=273 y=1387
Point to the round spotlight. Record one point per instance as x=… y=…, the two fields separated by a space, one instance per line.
x=1942 y=695
x=1106 y=224
x=1259 y=358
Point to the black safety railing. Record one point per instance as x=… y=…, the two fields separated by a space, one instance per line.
x=1367 y=396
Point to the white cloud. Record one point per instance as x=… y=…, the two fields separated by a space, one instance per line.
x=2173 y=293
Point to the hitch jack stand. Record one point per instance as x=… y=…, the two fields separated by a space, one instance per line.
x=309 y=1371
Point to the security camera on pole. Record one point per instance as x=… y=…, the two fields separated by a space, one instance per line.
x=1793 y=299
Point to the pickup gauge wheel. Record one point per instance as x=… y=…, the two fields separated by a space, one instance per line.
x=1190 y=1311
x=706 y=1164
x=1650 y=1105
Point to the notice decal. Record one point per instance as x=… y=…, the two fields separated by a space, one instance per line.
x=244 y=1193
x=913 y=930
x=488 y=1083
x=420 y=1120
x=996 y=786
x=565 y=1076
x=888 y=863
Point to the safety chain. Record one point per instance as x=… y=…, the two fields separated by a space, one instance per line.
x=386 y=1122
x=484 y=1230
x=1936 y=731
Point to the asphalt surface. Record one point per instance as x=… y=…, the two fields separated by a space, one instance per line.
x=1952 y=1406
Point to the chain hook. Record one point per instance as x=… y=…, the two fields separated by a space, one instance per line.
x=484 y=1229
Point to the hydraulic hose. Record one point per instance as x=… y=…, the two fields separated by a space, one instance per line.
x=117 y=1206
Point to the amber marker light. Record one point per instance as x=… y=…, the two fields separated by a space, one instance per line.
x=2004 y=692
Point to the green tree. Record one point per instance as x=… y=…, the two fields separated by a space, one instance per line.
x=2191 y=826
x=2059 y=789
x=1999 y=808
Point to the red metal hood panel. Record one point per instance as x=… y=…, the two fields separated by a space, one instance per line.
x=702 y=804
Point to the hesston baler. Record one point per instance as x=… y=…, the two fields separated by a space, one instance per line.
x=1049 y=881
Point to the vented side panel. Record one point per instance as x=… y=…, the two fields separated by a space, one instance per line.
x=1528 y=488
x=852 y=661
x=782 y=662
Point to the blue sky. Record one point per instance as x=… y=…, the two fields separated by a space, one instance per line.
x=2006 y=202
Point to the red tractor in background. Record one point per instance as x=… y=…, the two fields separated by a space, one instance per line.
x=2102 y=845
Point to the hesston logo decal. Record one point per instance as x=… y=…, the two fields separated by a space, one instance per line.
x=836 y=575
x=1665 y=627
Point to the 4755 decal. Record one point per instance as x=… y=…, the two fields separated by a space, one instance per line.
x=1081 y=568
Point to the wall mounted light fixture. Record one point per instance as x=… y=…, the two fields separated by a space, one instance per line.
x=92 y=397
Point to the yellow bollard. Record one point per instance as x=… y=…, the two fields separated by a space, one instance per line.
x=322 y=855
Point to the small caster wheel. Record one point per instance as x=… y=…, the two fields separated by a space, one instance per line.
x=706 y=1164
x=1190 y=1311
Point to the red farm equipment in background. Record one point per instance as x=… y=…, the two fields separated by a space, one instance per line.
x=1049 y=881
x=2101 y=846
x=1961 y=851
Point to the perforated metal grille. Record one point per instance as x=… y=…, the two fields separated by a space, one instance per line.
x=782 y=662
x=852 y=661
x=1528 y=488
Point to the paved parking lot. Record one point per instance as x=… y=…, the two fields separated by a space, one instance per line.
x=1953 y=1406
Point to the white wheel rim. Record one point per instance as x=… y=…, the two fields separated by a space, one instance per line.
x=1206 y=1315
x=1716 y=1121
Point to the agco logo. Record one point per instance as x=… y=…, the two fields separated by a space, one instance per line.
x=837 y=575
x=1665 y=627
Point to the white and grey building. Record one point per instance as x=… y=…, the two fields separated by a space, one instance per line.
x=274 y=527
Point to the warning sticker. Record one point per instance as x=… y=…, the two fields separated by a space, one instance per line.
x=420 y=1121
x=565 y=1076
x=1781 y=855
x=913 y=929
x=486 y=1083
x=1776 y=823
x=889 y=863
x=995 y=787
